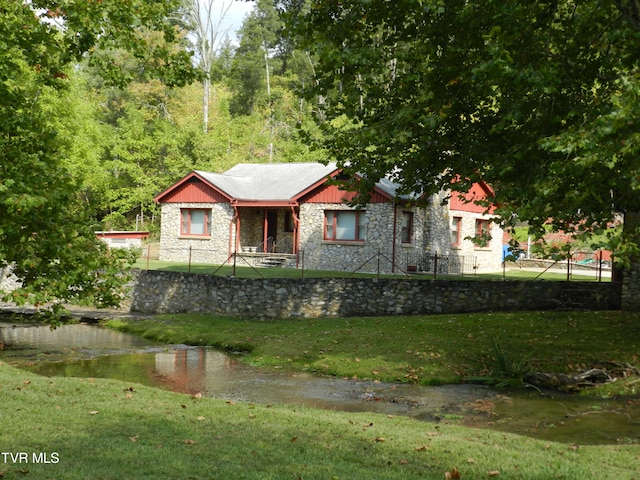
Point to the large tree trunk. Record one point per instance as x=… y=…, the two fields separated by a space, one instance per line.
x=631 y=277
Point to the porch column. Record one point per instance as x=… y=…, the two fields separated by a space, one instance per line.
x=295 y=247
x=265 y=231
x=234 y=236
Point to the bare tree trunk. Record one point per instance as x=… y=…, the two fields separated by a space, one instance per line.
x=266 y=64
x=204 y=24
x=206 y=87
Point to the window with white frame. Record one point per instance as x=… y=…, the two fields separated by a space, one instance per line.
x=195 y=221
x=345 y=225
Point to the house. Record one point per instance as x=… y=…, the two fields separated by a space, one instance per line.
x=122 y=239
x=294 y=211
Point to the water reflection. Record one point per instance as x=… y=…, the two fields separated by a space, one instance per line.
x=89 y=351
x=29 y=339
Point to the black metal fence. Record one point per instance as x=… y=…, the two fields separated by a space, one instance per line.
x=436 y=263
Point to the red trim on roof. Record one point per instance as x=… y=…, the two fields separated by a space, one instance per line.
x=334 y=194
x=187 y=190
x=318 y=184
x=320 y=192
x=194 y=188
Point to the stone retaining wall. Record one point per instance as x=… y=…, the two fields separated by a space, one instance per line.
x=175 y=292
x=631 y=289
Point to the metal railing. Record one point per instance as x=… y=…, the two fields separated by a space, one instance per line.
x=436 y=263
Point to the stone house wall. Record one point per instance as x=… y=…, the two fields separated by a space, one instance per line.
x=375 y=254
x=431 y=233
x=487 y=258
x=214 y=249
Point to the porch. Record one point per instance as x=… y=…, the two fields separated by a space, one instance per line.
x=266 y=233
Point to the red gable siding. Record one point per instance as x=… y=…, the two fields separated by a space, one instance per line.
x=194 y=191
x=465 y=204
x=332 y=194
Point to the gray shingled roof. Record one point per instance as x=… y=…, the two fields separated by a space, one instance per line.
x=277 y=181
x=268 y=181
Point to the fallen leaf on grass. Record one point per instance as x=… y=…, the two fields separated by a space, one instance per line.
x=379 y=439
x=493 y=473
x=294 y=439
x=422 y=448
x=93 y=412
x=200 y=418
x=470 y=460
x=452 y=475
x=134 y=439
x=190 y=442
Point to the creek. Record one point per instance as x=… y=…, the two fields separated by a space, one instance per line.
x=90 y=351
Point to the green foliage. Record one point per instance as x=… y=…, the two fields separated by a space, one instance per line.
x=508 y=371
x=257 y=53
x=537 y=98
x=46 y=233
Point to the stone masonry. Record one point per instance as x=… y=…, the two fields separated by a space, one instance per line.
x=175 y=292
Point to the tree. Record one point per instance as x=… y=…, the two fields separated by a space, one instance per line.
x=538 y=98
x=206 y=27
x=46 y=234
x=256 y=58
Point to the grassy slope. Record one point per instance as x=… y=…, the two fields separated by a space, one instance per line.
x=102 y=429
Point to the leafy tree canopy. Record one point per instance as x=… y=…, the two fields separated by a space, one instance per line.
x=46 y=236
x=537 y=98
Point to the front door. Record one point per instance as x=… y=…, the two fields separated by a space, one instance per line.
x=271 y=230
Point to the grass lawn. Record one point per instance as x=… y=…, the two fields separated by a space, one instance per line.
x=102 y=429
x=242 y=270
x=425 y=349
x=105 y=429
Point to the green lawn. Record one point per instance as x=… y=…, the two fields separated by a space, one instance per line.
x=425 y=349
x=104 y=429
x=243 y=270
